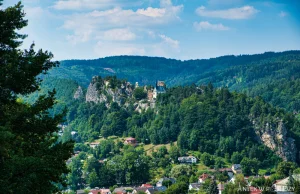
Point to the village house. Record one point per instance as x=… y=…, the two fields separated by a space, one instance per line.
x=100 y=191
x=282 y=187
x=146 y=185
x=149 y=189
x=152 y=190
x=188 y=159
x=228 y=170
x=203 y=177
x=221 y=188
x=161 y=189
x=94 y=144
x=123 y=190
x=140 y=189
x=236 y=168
x=160 y=181
x=194 y=186
x=130 y=141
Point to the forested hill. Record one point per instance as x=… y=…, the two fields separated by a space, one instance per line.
x=146 y=70
x=204 y=119
x=274 y=76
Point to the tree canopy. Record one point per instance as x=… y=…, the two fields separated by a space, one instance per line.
x=32 y=158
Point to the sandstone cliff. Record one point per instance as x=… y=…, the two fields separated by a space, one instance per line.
x=79 y=93
x=274 y=136
x=108 y=90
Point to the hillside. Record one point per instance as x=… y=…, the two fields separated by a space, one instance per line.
x=198 y=118
x=216 y=125
x=274 y=76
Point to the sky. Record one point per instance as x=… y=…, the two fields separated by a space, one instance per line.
x=180 y=29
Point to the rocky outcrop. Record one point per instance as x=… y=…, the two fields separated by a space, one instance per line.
x=274 y=136
x=101 y=90
x=93 y=94
x=79 y=93
x=144 y=105
x=110 y=90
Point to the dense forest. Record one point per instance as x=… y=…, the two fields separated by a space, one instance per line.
x=274 y=76
x=202 y=118
x=211 y=121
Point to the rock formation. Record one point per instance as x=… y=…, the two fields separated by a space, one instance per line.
x=79 y=93
x=274 y=136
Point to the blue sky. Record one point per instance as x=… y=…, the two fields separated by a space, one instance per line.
x=181 y=29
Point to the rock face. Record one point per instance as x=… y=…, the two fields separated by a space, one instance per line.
x=109 y=89
x=274 y=136
x=144 y=105
x=101 y=90
x=79 y=93
x=93 y=94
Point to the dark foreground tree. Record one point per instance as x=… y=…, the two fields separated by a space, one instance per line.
x=213 y=187
x=31 y=158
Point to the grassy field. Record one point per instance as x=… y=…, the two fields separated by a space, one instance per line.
x=149 y=148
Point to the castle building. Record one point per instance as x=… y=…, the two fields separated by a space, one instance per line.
x=160 y=88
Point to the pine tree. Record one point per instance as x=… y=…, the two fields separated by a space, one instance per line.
x=291 y=180
x=31 y=158
x=269 y=187
x=297 y=187
x=213 y=187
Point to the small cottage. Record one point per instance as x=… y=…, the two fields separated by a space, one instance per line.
x=130 y=141
x=188 y=159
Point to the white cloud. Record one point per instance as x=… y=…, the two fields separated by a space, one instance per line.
x=119 y=34
x=79 y=36
x=33 y=12
x=245 y=12
x=30 y=1
x=79 y=4
x=92 y=4
x=97 y=22
x=165 y=3
x=208 y=26
x=121 y=31
x=283 y=14
x=103 y=49
x=151 y=34
x=169 y=41
x=224 y=2
x=152 y=12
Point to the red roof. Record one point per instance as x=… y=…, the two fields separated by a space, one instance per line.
x=120 y=192
x=95 y=191
x=254 y=190
x=101 y=191
x=225 y=169
x=204 y=176
x=130 y=139
x=146 y=185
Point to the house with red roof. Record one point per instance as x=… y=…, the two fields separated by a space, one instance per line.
x=100 y=191
x=130 y=141
x=203 y=177
x=146 y=185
